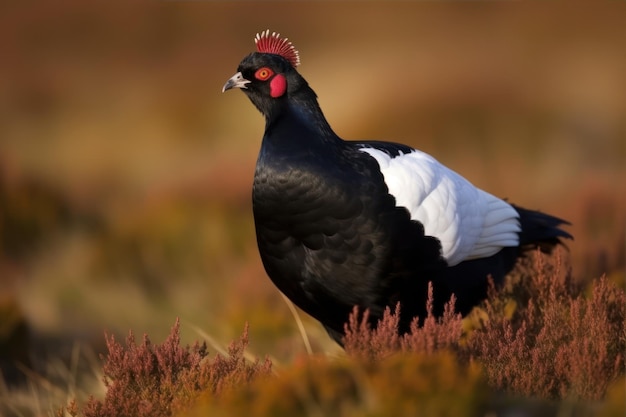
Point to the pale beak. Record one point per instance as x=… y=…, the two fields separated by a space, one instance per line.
x=236 y=81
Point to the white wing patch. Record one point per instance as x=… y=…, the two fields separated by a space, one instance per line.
x=469 y=222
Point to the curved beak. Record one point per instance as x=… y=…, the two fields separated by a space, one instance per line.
x=236 y=81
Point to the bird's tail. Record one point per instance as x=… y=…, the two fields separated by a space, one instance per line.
x=541 y=230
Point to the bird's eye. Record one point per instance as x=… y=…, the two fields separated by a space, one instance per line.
x=263 y=74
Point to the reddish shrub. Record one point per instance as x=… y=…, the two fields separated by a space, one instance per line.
x=556 y=343
x=434 y=334
x=157 y=380
x=559 y=343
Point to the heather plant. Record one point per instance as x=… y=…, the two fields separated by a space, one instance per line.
x=559 y=343
x=158 y=380
x=541 y=336
x=432 y=335
x=556 y=341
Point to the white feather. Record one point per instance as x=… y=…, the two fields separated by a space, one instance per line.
x=469 y=222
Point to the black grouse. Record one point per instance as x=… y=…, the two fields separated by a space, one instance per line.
x=368 y=223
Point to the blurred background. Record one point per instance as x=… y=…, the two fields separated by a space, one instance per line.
x=125 y=174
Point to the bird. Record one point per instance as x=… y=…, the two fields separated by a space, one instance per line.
x=369 y=224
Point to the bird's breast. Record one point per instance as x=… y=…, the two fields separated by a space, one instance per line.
x=315 y=221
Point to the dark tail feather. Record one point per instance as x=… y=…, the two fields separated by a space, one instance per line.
x=541 y=230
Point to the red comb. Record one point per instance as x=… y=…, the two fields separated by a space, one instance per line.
x=274 y=44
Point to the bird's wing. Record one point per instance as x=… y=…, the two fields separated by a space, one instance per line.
x=469 y=222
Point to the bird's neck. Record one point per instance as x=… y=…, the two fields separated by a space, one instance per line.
x=301 y=111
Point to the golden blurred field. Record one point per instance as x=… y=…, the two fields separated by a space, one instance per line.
x=125 y=174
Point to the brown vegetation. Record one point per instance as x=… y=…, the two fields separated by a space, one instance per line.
x=160 y=380
x=399 y=385
x=559 y=343
x=433 y=335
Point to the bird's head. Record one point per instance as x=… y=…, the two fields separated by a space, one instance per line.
x=269 y=75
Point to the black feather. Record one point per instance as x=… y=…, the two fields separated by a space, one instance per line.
x=540 y=229
x=330 y=234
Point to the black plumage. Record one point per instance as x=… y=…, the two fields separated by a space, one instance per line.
x=330 y=233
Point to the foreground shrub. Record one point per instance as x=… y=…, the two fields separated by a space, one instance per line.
x=556 y=343
x=158 y=380
x=559 y=343
x=541 y=338
x=434 y=334
x=410 y=384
